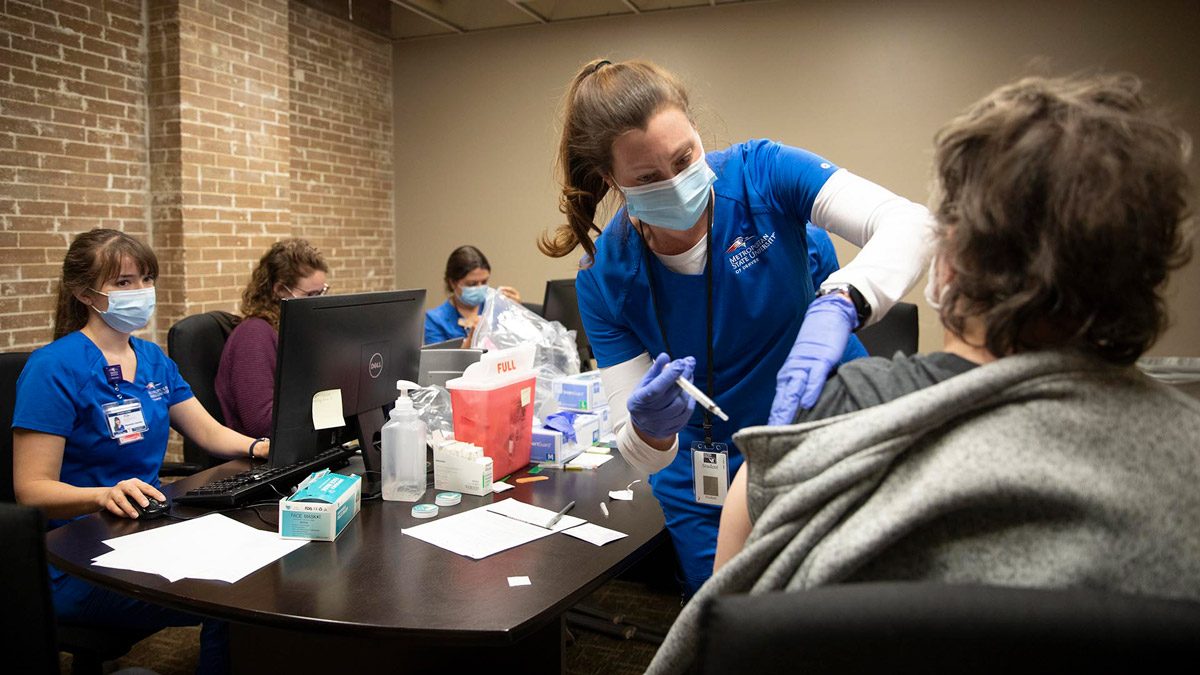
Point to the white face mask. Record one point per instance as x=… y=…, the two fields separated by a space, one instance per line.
x=934 y=292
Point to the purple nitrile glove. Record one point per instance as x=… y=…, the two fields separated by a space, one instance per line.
x=658 y=407
x=819 y=347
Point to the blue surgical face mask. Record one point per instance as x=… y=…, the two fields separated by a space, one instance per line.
x=674 y=204
x=128 y=310
x=473 y=296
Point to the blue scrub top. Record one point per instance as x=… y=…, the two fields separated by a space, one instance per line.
x=62 y=390
x=441 y=324
x=762 y=286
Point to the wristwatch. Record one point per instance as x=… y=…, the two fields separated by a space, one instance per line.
x=861 y=307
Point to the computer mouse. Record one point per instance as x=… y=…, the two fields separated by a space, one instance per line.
x=155 y=509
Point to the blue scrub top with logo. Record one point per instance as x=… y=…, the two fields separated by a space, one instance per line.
x=762 y=286
x=62 y=391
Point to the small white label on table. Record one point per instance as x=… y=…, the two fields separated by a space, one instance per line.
x=595 y=534
x=519 y=581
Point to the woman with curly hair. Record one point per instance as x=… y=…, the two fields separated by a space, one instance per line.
x=245 y=383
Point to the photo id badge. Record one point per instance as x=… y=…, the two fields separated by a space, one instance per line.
x=125 y=421
x=710 y=472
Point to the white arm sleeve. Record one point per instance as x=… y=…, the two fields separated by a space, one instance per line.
x=619 y=382
x=896 y=236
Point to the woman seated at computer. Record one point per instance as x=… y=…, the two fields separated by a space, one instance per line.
x=245 y=382
x=1031 y=451
x=466 y=278
x=92 y=415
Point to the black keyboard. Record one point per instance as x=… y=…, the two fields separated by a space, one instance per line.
x=261 y=482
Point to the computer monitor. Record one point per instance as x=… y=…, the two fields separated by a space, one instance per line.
x=561 y=305
x=357 y=345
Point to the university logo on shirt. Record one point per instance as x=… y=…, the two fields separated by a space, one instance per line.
x=744 y=252
x=157 y=391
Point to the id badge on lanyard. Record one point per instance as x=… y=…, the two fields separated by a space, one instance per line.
x=124 y=417
x=710 y=461
x=710 y=472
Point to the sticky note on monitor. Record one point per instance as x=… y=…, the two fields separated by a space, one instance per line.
x=327 y=409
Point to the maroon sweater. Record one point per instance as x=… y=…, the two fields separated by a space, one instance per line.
x=246 y=377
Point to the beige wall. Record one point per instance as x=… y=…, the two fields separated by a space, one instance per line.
x=865 y=84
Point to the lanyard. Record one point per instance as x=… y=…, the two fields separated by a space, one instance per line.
x=113 y=375
x=708 y=289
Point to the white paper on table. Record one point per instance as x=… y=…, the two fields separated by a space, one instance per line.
x=621 y=495
x=534 y=515
x=479 y=533
x=501 y=486
x=595 y=534
x=589 y=460
x=210 y=547
x=519 y=581
x=327 y=409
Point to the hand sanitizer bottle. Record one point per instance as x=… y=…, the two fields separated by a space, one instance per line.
x=403 y=441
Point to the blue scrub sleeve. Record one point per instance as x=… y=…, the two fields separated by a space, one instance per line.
x=612 y=343
x=791 y=177
x=46 y=394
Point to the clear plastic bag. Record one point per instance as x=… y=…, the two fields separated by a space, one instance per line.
x=432 y=404
x=504 y=323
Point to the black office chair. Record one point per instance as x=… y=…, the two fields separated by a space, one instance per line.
x=195 y=344
x=930 y=627
x=897 y=331
x=27 y=627
x=562 y=305
x=90 y=646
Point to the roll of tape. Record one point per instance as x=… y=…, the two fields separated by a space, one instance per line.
x=448 y=498
x=424 y=511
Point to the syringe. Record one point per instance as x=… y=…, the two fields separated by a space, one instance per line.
x=700 y=397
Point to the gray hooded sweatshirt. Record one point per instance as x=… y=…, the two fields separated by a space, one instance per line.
x=1047 y=470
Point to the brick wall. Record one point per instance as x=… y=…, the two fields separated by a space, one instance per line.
x=341 y=147
x=72 y=145
x=233 y=145
x=209 y=127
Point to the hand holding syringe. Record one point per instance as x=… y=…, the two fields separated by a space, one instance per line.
x=662 y=403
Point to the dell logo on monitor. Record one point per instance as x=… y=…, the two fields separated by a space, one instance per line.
x=375 y=365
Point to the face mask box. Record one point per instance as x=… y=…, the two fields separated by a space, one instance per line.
x=492 y=405
x=461 y=467
x=322 y=506
x=581 y=392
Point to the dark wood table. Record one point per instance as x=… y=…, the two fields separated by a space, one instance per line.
x=375 y=598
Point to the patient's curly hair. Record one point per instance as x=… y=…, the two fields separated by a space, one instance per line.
x=1061 y=206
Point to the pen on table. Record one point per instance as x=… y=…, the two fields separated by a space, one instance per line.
x=700 y=397
x=558 y=516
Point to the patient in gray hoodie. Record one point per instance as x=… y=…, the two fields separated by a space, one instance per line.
x=1030 y=451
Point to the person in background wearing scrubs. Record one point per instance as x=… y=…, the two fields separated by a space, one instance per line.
x=91 y=421
x=466 y=278
x=704 y=273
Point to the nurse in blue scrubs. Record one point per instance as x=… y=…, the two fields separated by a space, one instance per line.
x=94 y=408
x=467 y=274
x=704 y=273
